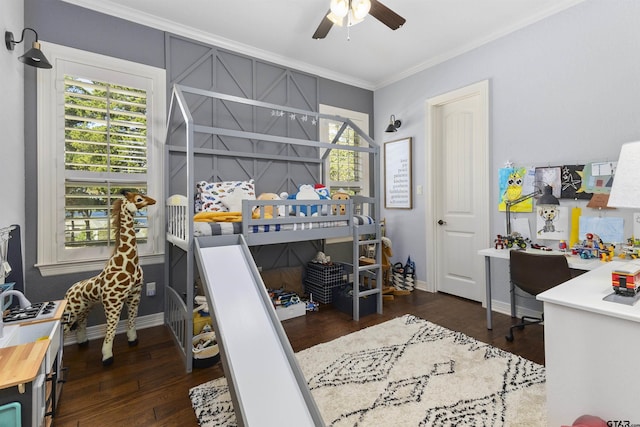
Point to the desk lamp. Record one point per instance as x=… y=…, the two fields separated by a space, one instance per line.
x=546 y=198
x=625 y=191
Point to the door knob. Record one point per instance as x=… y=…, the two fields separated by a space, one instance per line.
x=441 y=222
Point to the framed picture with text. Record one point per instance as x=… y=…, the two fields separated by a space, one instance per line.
x=397 y=174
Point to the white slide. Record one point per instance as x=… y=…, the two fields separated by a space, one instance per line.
x=265 y=381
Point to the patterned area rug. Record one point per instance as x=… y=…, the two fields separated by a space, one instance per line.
x=406 y=372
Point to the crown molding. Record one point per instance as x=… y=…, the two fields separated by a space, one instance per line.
x=152 y=21
x=558 y=7
x=138 y=17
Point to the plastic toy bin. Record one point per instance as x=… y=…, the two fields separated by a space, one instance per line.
x=11 y=414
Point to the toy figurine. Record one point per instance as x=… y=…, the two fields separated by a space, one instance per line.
x=562 y=245
x=514 y=240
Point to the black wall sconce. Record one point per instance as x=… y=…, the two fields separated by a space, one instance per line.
x=393 y=124
x=33 y=56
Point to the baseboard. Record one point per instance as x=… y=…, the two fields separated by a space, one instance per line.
x=497 y=306
x=98 y=332
x=424 y=286
x=505 y=308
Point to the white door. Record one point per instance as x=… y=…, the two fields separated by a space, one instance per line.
x=459 y=190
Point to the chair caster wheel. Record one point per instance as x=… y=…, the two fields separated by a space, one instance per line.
x=509 y=338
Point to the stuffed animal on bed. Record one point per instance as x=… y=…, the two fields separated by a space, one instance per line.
x=340 y=195
x=305 y=192
x=268 y=210
x=324 y=194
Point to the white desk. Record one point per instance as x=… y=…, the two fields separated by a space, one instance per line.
x=591 y=350
x=575 y=262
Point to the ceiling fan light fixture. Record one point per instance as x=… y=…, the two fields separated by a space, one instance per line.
x=339 y=8
x=352 y=20
x=351 y=12
x=335 y=19
x=360 y=9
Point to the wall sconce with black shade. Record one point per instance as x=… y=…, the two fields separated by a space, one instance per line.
x=393 y=124
x=546 y=198
x=33 y=56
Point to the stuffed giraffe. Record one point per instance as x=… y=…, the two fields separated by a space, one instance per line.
x=120 y=281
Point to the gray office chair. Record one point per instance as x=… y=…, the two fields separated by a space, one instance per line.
x=534 y=274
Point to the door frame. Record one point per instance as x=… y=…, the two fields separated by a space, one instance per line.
x=482 y=177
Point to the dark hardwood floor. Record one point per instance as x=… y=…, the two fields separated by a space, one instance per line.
x=147 y=385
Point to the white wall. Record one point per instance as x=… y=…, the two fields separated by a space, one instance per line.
x=564 y=90
x=12 y=210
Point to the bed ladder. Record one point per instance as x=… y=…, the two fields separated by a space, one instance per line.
x=371 y=272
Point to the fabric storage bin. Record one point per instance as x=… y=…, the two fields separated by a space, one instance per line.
x=205 y=356
x=343 y=300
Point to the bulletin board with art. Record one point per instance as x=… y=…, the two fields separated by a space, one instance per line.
x=589 y=182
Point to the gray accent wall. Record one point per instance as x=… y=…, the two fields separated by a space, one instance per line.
x=188 y=62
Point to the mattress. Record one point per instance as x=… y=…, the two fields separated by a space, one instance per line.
x=224 y=228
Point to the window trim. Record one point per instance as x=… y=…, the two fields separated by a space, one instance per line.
x=362 y=121
x=50 y=136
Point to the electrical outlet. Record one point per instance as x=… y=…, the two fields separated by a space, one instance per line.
x=151 y=289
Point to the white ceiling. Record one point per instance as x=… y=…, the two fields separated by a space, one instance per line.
x=280 y=31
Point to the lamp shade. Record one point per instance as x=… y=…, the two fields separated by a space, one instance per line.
x=360 y=9
x=339 y=7
x=393 y=124
x=35 y=57
x=625 y=191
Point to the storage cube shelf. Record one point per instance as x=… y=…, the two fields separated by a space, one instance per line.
x=322 y=274
x=321 y=293
x=321 y=279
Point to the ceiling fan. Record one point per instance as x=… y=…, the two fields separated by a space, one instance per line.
x=351 y=12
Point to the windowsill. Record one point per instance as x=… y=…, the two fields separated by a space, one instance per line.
x=96 y=265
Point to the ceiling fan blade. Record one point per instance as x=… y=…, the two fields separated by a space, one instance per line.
x=385 y=15
x=323 y=28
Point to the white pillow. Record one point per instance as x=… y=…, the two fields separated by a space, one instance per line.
x=233 y=199
x=210 y=194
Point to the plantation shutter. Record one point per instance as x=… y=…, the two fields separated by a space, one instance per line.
x=105 y=151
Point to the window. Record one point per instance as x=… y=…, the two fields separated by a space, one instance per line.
x=346 y=169
x=100 y=121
